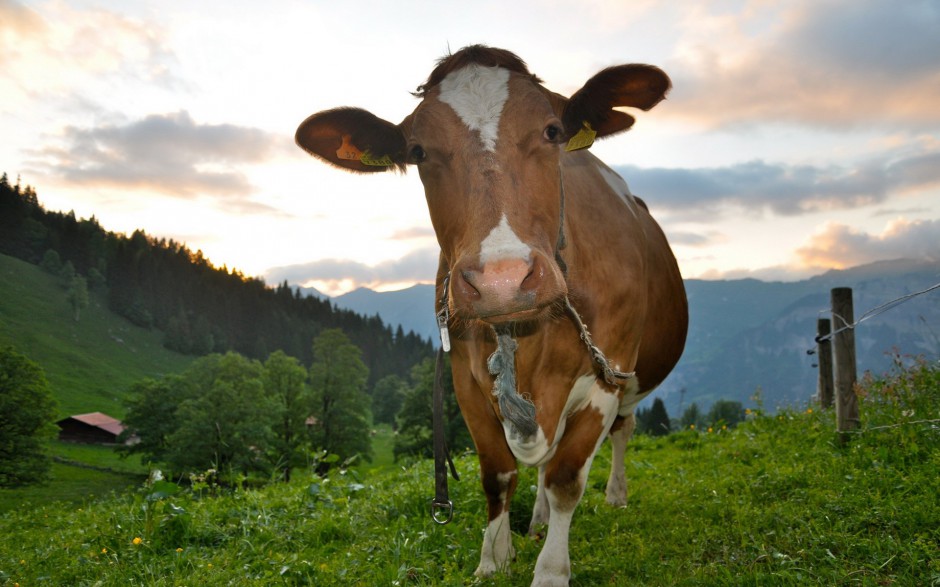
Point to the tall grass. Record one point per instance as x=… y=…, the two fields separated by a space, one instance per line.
x=775 y=501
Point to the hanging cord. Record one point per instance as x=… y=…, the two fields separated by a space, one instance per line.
x=442 y=508
x=611 y=375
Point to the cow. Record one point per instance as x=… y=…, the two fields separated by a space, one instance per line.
x=560 y=295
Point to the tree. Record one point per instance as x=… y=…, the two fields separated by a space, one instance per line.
x=340 y=406
x=78 y=295
x=387 y=397
x=725 y=412
x=691 y=417
x=51 y=262
x=654 y=421
x=152 y=415
x=416 y=420
x=27 y=416
x=213 y=415
x=284 y=383
x=226 y=421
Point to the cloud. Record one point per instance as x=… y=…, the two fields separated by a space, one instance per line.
x=169 y=154
x=73 y=47
x=837 y=64
x=419 y=265
x=414 y=232
x=786 y=190
x=696 y=239
x=842 y=246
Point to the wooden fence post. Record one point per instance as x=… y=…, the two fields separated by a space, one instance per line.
x=824 y=355
x=843 y=346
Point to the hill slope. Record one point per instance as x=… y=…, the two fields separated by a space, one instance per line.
x=90 y=364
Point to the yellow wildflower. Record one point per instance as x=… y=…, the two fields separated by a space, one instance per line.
x=137 y=540
x=179 y=550
x=104 y=551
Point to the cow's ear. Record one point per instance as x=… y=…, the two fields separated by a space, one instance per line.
x=635 y=86
x=353 y=139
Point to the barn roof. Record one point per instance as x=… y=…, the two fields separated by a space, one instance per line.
x=99 y=420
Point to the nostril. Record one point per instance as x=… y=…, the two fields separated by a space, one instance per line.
x=534 y=277
x=466 y=287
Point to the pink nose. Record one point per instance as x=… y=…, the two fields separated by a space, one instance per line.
x=500 y=287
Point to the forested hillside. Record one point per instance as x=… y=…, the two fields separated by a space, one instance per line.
x=200 y=308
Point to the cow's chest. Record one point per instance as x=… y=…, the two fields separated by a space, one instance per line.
x=585 y=394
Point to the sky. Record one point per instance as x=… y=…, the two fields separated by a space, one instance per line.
x=799 y=136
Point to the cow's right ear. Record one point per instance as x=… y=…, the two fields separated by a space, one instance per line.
x=353 y=139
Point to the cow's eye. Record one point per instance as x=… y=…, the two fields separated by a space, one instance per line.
x=552 y=133
x=416 y=154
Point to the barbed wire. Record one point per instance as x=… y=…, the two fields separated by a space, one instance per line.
x=869 y=314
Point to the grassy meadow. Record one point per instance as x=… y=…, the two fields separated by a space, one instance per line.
x=775 y=501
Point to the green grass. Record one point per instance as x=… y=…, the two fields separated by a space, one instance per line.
x=80 y=472
x=90 y=364
x=775 y=501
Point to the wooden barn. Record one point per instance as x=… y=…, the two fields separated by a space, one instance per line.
x=93 y=428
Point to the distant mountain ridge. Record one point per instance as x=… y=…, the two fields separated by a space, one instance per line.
x=746 y=334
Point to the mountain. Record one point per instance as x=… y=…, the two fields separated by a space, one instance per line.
x=412 y=308
x=747 y=335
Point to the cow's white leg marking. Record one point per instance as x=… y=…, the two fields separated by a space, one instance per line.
x=497 y=550
x=503 y=243
x=553 y=567
x=477 y=94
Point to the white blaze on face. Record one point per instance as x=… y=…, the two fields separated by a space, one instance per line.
x=477 y=94
x=502 y=243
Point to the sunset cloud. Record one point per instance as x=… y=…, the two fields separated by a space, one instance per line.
x=44 y=52
x=169 y=154
x=840 y=246
x=336 y=275
x=827 y=64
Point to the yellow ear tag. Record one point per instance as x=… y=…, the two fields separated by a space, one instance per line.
x=582 y=140
x=348 y=151
x=383 y=161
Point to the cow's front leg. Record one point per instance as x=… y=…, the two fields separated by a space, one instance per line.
x=565 y=478
x=497 y=551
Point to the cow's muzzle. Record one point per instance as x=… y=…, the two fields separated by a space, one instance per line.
x=506 y=290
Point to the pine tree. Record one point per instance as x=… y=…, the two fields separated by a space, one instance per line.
x=658 y=419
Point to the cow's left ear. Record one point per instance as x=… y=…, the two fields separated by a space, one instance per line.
x=636 y=86
x=353 y=139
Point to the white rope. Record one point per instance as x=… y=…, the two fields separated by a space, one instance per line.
x=872 y=312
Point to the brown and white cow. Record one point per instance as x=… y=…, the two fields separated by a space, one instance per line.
x=536 y=235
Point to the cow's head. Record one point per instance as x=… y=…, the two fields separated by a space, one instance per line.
x=487 y=140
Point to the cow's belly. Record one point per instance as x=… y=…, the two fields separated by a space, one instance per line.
x=585 y=394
